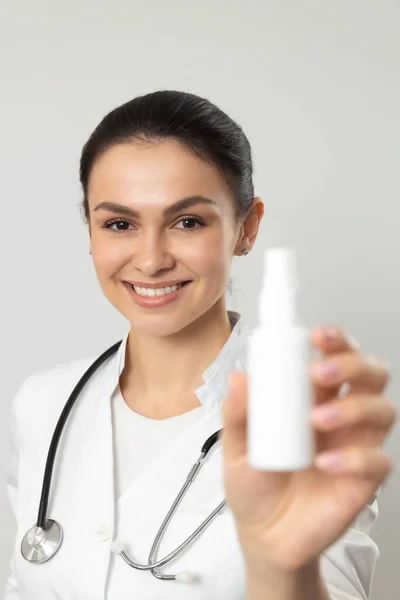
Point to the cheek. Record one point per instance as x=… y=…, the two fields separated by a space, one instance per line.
x=108 y=259
x=208 y=258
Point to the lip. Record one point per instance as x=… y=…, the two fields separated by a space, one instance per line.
x=154 y=301
x=158 y=284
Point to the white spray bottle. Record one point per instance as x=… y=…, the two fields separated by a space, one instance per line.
x=280 y=434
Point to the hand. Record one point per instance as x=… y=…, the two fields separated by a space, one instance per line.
x=287 y=519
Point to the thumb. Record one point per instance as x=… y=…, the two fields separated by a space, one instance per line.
x=234 y=412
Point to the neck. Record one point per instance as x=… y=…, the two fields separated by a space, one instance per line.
x=161 y=374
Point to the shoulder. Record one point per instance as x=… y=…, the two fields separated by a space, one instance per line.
x=45 y=390
x=59 y=376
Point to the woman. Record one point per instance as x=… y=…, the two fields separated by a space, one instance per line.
x=168 y=198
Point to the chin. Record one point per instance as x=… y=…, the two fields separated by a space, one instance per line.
x=161 y=325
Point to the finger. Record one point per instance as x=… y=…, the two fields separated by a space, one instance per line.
x=365 y=462
x=372 y=411
x=358 y=435
x=358 y=370
x=234 y=411
x=331 y=339
x=323 y=394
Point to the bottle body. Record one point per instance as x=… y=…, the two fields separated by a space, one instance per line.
x=280 y=434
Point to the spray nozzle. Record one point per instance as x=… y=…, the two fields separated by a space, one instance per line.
x=280 y=267
x=280 y=284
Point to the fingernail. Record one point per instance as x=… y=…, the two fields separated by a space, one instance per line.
x=330 y=332
x=326 y=370
x=329 y=461
x=327 y=412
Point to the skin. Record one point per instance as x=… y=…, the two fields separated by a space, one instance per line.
x=284 y=520
x=149 y=178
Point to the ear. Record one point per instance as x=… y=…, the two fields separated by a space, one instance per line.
x=249 y=227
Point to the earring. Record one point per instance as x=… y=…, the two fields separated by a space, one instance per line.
x=245 y=252
x=90 y=252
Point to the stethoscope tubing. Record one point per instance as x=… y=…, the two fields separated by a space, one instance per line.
x=189 y=481
x=48 y=472
x=42 y=521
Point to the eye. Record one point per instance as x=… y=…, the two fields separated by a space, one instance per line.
x=190 y=223
x=120 y=225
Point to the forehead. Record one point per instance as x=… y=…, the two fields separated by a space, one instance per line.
x=163 y=170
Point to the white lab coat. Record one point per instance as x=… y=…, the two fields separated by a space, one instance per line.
x=82 y=498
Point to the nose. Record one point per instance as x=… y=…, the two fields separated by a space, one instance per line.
x=152 y=255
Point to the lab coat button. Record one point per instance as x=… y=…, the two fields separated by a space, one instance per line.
x=104 y=533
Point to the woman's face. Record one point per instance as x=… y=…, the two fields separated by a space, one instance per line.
x=160 y=217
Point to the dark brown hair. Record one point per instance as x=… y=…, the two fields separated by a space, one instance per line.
x=198 y=125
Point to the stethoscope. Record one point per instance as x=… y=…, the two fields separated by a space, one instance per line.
x=44 y=539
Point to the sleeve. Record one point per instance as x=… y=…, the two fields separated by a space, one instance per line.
x=11 y=589
x=348 y=565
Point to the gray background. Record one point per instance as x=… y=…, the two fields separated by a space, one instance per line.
x=315 y=86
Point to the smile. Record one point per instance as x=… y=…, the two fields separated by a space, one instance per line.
x=162 y=291
x=156 y=297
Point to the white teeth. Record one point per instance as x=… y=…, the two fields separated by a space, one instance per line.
x=158 y=291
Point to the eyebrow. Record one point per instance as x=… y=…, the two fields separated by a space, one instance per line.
x=179 y=206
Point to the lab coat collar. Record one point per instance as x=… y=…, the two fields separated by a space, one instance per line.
x=214 y=388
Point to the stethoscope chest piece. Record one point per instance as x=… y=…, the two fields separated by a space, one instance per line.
x=39 y=545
